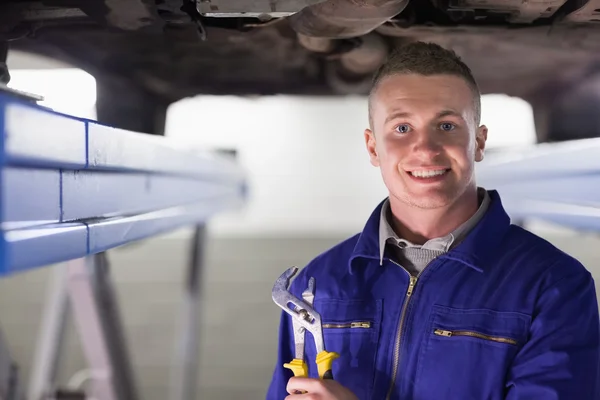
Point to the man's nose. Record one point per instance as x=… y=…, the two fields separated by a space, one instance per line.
x=426 y=142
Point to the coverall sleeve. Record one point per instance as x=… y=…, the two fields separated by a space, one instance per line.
x=561 y=359
x=285 y=353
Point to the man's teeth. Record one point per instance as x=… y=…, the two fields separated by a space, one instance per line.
x=428 y=173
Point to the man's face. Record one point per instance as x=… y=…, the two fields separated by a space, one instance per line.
x=424 y=138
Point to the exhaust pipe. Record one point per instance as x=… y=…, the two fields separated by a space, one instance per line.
x=342 y=19
x=351 y=72
x=322 y=26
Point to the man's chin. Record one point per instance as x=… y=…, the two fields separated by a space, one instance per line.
x=430 y=199
x=430 y=203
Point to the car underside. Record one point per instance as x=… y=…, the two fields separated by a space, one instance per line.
x=147 y=54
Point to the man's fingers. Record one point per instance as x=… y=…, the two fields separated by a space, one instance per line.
x=317 y=389
x=305 y=396
x=309 y=385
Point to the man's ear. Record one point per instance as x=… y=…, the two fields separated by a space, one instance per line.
x=480 y=139
x=371 y=147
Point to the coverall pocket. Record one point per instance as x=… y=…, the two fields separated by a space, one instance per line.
x=466 y=353
x=351 y=328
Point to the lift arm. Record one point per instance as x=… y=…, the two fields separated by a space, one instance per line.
x=71 y=187
x=555 y=182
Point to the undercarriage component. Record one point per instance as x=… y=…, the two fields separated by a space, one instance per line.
x=352 y=72
x=316 y=44
x=589 y=11
x=129 y=15
x=243 y=56
x=349 y=71
x=326 y=27
x=4 y=74
x=127 y=107
x=367 y=57
x=344 y=83
x=568 y=109
x=575 y=114
x=34 y=12
x=262 y=9
x=516 y=11
x=338 y=19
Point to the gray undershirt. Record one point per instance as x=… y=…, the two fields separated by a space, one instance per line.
x=413 y=257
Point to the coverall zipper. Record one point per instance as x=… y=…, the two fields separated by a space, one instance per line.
x=447 y=333
x=353 y=325
x=409 y=292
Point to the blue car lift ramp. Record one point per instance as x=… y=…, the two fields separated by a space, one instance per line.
x=553 y=182
x=73 y=189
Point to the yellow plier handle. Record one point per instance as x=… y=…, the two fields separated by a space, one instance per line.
x=298 y=367
x=324 y=366
x=325 y=363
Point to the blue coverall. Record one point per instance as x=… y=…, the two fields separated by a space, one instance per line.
x=503 y=315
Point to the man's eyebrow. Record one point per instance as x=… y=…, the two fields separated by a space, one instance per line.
x=449 y=113
x=403 y=114
x=397 y=114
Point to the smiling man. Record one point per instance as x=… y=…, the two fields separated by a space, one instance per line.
x=440 y=296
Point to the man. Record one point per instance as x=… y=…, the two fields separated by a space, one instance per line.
x=440 y=297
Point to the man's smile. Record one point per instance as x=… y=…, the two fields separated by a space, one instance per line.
x=428 y=174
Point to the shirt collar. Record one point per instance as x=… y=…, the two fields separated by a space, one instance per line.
x=477 y=250
x=443 y=244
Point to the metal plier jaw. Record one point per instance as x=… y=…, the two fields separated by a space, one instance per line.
x=304 y=318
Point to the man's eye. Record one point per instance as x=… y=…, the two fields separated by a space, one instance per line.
x=404 y=128
x=447 y=126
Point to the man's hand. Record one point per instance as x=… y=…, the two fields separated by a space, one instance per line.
x=317 y=389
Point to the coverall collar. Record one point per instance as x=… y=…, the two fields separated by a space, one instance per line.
x=476 y=248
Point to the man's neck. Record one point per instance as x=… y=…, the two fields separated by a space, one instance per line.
x=418 y=225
